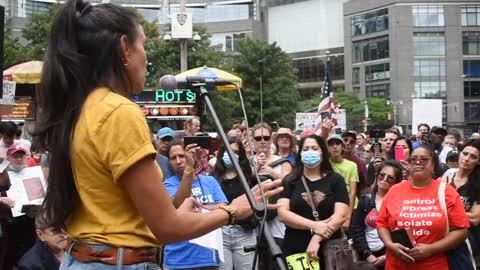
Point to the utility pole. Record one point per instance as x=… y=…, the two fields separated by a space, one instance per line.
x=183 y=44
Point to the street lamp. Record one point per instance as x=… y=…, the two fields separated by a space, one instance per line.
x=395 y=104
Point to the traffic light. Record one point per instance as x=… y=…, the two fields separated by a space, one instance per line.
x=457 y=108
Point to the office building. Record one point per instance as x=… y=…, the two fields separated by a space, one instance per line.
x=400 y=50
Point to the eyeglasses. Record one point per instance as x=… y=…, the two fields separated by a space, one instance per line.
x=385 y=177
x=422 y=160
x=260 y=138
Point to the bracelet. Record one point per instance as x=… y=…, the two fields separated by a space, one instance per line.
x=230 y=212
x=188 y=171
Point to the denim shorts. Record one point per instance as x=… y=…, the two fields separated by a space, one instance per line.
x=70 y=263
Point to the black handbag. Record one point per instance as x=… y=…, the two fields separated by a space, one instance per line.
x=337 y=254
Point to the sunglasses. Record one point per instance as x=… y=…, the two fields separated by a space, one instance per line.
x=385 y=177
x=260 y=138
x=166 y=139
x=422 y=160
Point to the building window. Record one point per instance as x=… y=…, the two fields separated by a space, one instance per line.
x=472 y=111
x=471 y=43
x=228 y=42
x=471 y=89
x=430 y=68
x=370 y=22
x=431 y=89
x=371 y=49
x=310 y=69
x=377 y=72
x=471 y=15
x=32 y=7
x=471 y=68
x=428 y=16
x=378 y=90
x=429 y=44
x=356 y=75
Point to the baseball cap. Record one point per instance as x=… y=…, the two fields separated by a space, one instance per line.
x=164 y=132
x=335 y=137
x=16 y=148
x=438 y=130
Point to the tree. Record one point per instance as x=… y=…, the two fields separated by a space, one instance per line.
x=378 y=113
x=14 y=52
x=164 y=57
x=279 y=83
x=37 y=32
x=353 y=106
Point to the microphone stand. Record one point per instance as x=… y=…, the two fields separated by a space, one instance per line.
x=259 y=209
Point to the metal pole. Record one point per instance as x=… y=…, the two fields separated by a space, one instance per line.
x=365 y=127
x=183 y=44
x=395 y=114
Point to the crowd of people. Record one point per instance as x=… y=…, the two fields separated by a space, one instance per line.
x=116 y=195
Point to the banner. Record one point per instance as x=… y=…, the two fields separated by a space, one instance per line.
x=305 y=121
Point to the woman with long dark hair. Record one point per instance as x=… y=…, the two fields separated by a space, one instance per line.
x=241 y=233
x=405 y=145
x=329 y=196
x=414 y=205
x=364 y=230
x=466 y=180
x=104 y=185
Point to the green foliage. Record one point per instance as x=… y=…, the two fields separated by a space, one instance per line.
x=164 y=57
x=279 y=82
x=14 y=52
x=37 y=32
x=378 y=111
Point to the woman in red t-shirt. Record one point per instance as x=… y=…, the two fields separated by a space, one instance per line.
x=414 y=204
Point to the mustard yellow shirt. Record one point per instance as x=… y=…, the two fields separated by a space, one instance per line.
x=110 y=136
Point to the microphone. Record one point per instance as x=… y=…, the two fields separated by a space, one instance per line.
x=170 y=82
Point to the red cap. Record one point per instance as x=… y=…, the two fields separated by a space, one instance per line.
x=15 y=148
x=306 y=132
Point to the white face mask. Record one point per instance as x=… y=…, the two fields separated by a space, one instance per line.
x=15 y=169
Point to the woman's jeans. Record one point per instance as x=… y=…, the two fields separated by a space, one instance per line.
x=70 y=263
x=235 y=238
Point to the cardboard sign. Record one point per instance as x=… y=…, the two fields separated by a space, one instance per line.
x=28 y=188
x=8 y=97
x=299 y=262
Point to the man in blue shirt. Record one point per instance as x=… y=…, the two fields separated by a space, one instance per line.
x=185 y=183
x=164 y=138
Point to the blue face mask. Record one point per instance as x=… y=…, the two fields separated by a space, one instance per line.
x=227 y=161
x=15 y=169
x=311 y=159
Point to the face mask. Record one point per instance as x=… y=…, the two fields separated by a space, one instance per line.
x=15 y=169
x=311 y=159
x=227 y=161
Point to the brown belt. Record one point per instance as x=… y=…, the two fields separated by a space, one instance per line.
x=85 y=253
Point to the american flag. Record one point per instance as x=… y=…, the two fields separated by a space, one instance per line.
x=327 y=101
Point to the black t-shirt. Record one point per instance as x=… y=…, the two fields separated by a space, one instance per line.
x=232 y=188
x=326 y=192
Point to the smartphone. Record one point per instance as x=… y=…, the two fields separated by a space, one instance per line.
x=202 y=141
x=404 y=237
x=325 y=115
x=399 y=153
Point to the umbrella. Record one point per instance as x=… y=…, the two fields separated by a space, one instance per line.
x=215 y=74
x=28 y=72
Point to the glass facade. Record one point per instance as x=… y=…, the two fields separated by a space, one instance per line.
x=356 y=75
x=430 y=68
x=313 y=69
x=429 y=44
x=431 y=15
x=371 y=49
x=378 y=90
x=32 y=7
x=471 y=89
x=471 y=43
x=228 y=42
x=471 y=68
x=472 y=111
x=370 y=22
x=471 y=15
x=377 y=72
x=213 y=13
x=431 y=88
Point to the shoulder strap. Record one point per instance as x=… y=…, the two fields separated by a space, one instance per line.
x=310 y=198
x=277 y=162
x=443 y=204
